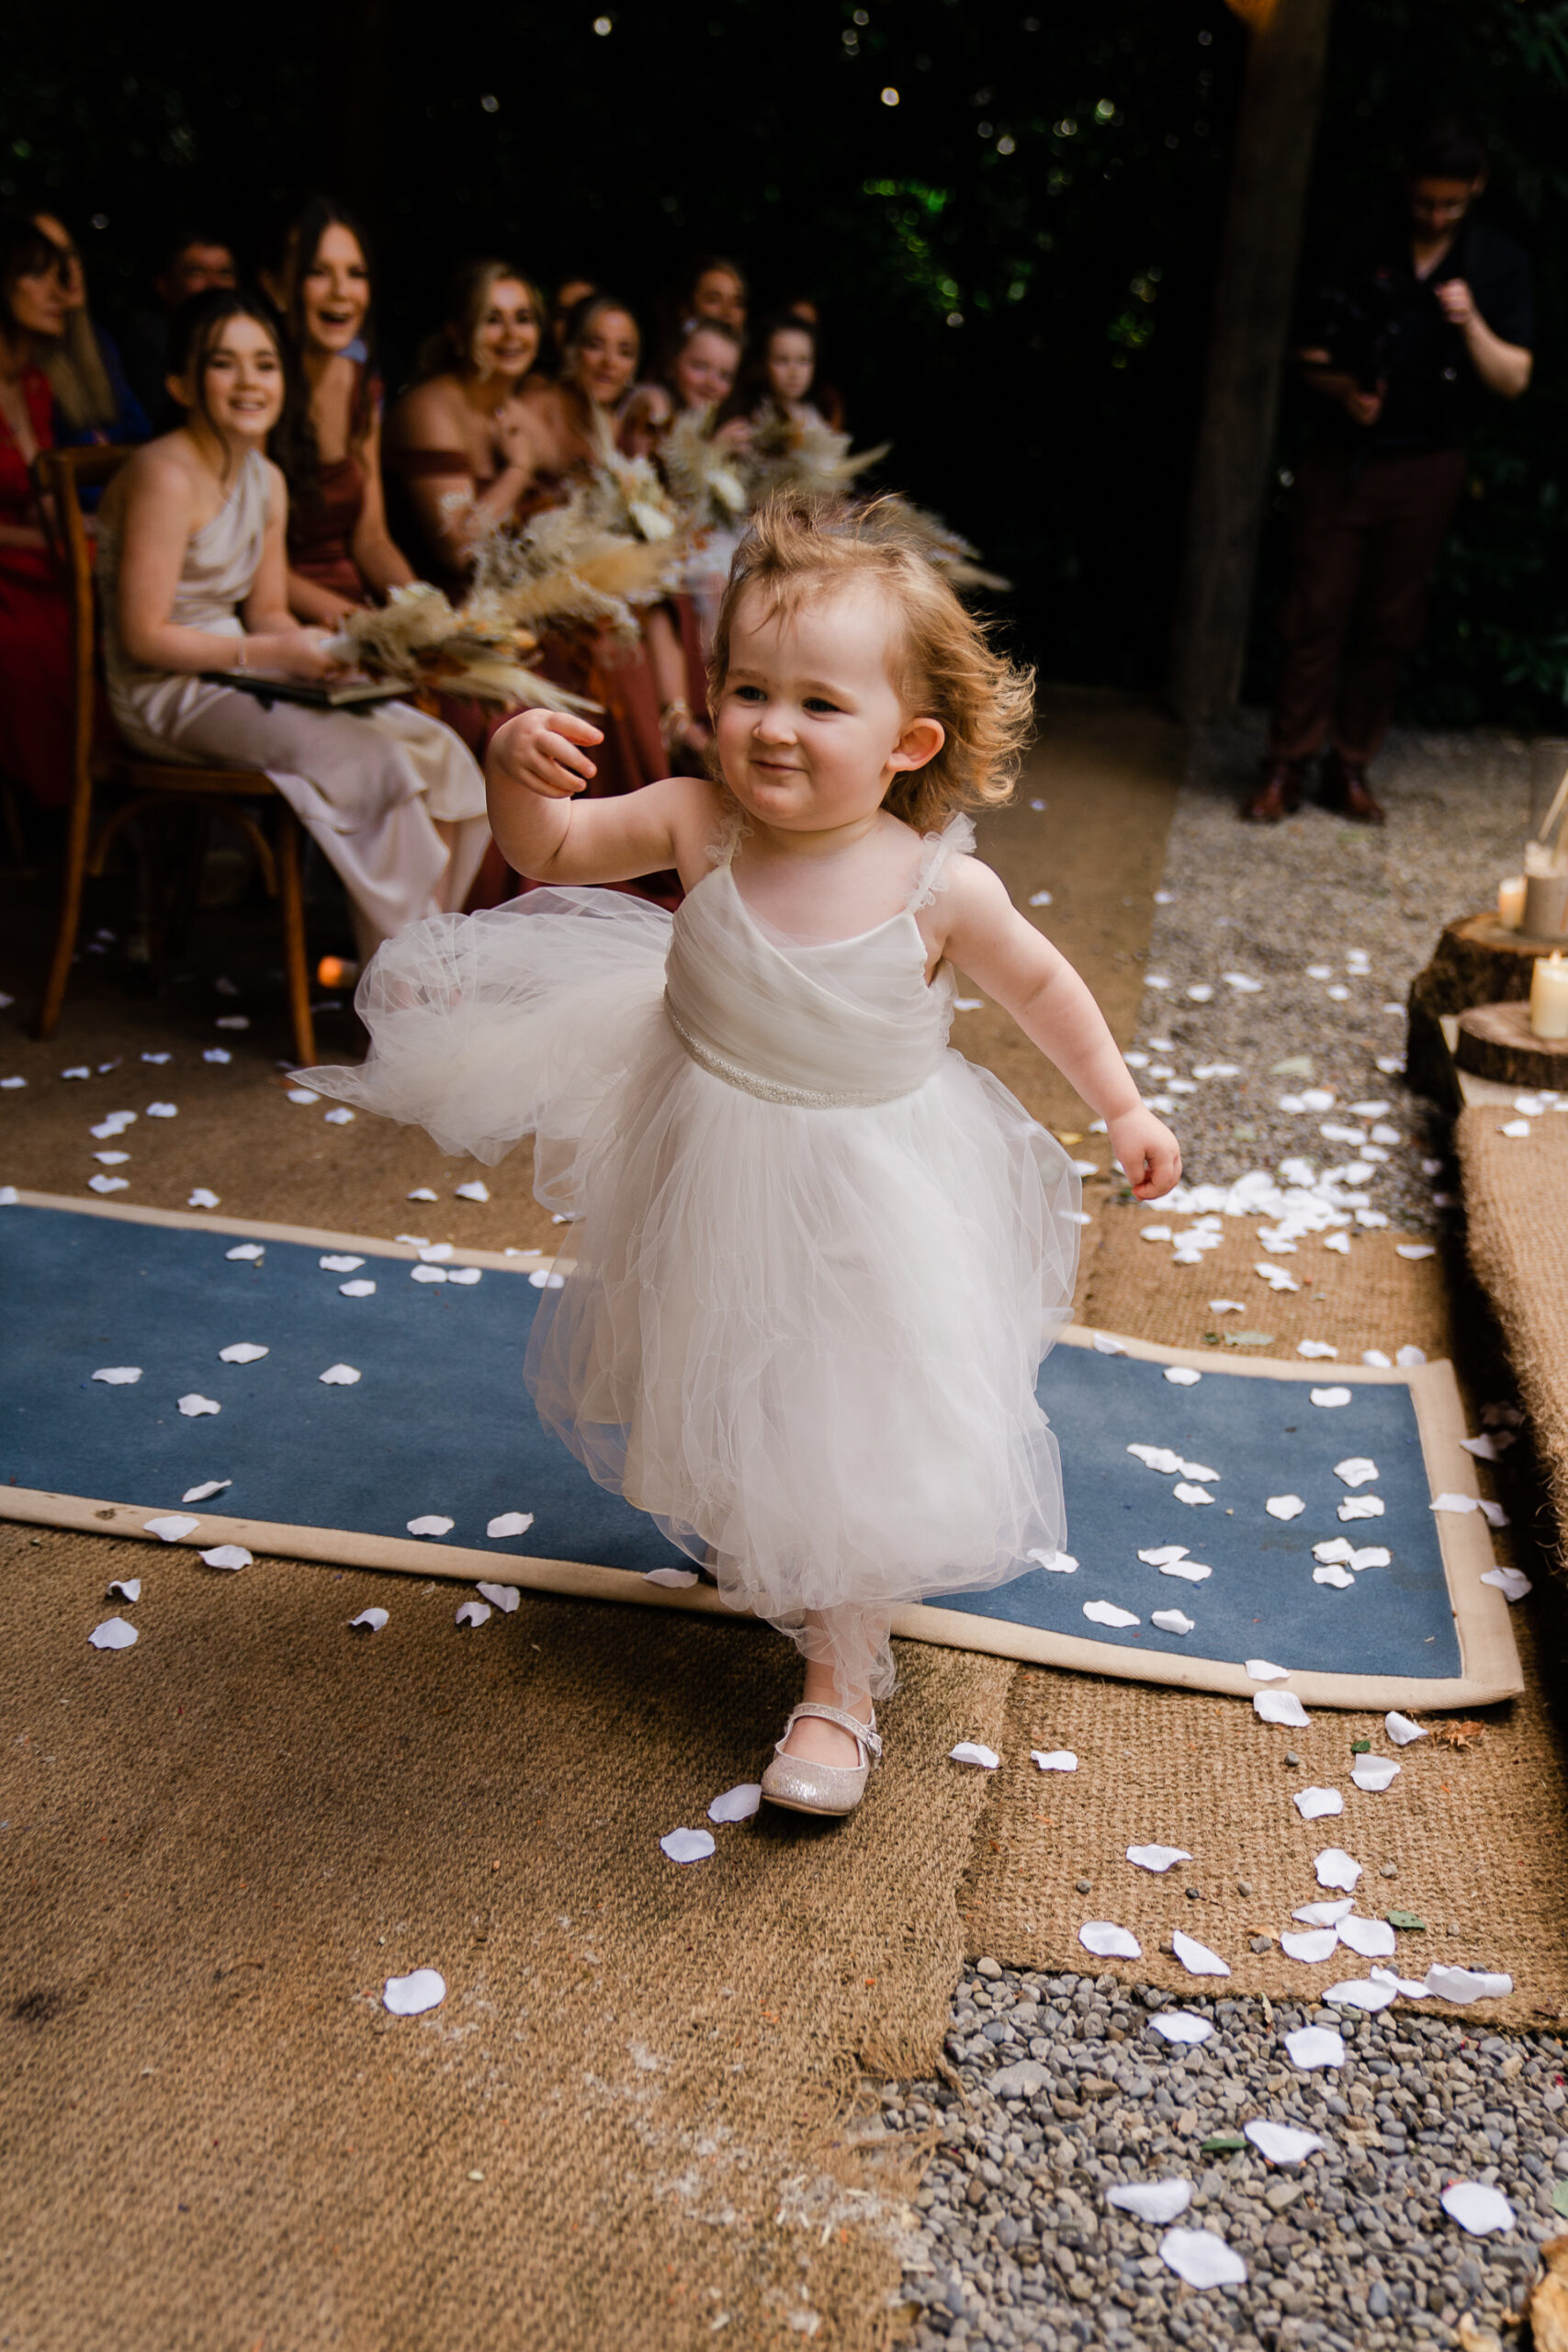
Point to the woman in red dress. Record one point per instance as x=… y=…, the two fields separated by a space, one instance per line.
x=35 y=616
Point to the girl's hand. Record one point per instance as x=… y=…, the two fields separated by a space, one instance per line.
x=536 y=750
x=737 y=434
x=294 y=653
x=1148 y=1151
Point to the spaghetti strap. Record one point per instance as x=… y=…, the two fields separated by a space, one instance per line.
x=733 y=829
x=957 y=838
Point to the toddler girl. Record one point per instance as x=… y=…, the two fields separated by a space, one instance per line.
x=820 y=1256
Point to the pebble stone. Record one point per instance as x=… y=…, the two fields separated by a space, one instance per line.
x=1351 y=2252
x=1268 y=900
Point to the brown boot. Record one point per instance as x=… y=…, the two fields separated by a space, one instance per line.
x=1343 y=788
x=1277 y=793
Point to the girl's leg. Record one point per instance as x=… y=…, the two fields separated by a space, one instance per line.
x=841 y=1647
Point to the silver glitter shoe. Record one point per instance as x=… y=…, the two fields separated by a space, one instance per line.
x=833 y=1788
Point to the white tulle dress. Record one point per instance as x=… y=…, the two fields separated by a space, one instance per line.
x=818 y=1256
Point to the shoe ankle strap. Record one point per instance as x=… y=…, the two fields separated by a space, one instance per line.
x=865 y=1733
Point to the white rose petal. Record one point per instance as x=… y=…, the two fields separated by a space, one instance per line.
x=505 y=1597
x=1316 y=1804
x=1371 y=1939
x=114 y=1633
x=1315 y=2045
x=1181 y=1376
x=1476 y=2207
x=409 y=1997
x=1181 y=2025
x=1279 y=2143
x=975 y=1751
x=1329 y=1397
x=1312 y=1947
x=1356 y=1507
x=1202 y=2258
x=1196 y=1958
x=474 y=1189
x=1261 y=1670
x=1105 y=1613
x=1356 y=1470
x=1326 y=1915
x=1108 y=1942
x=361 y=1289
x=1158 y=1859
x=1462 y=1984
x=1172 y=1620
x=119 y=1375
x=228 y=1555
x=1154 y=2201
x=1279 y=1707
x=249 y=1253
x=242 y=1352
x=473 y=1612
x=1056 y=1564
x=1333 y=1867
x=341 y=1118
x=1284 y=1506
x=193 y=1404
x=739 y=1804
x=510 y=1523
x=339 y=1376
x=1402 y=1730
x=432 y=1524
x=374 y=1619
x=1374 y=1773
x=674 y=1580
x=687 y=1844
x=1053 y=1759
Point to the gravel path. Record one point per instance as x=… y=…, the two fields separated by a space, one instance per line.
x=1365 y=905
x=1348 y=2249
x=1015 y=2243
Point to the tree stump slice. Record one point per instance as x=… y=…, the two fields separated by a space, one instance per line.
x=1496 y=1041
x=1476 y=962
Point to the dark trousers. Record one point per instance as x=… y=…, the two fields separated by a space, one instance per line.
x=1366 y=532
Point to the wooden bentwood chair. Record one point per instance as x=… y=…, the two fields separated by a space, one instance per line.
x=138 y=783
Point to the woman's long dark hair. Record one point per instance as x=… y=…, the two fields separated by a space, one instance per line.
x=293 y=442
x=25 y=252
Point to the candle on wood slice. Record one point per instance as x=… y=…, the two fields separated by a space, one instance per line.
x=1548 y=996
x=1511 y=901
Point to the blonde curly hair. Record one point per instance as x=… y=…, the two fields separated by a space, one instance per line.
x=944 y=665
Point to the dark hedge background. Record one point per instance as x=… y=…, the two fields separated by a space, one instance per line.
x=1014 y=262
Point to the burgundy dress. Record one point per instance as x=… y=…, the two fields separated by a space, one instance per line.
x=35 y=627
x=321 y=543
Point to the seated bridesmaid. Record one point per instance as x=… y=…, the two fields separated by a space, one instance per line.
x=328 y=441
x=697 y=377
x=35 y=617
x=459 y=453
x=192 y=565
x=698 y=373
x=93 y=400
x=787 y=370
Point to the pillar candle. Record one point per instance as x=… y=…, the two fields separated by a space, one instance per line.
x=1511 y=902
x=1549 y=997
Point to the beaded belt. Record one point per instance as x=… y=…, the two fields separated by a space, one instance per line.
x=773 y=1089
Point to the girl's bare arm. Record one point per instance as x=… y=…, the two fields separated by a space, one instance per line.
x=535 y=772
x=986 y=938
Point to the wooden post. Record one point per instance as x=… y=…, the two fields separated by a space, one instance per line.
x=1253 y=292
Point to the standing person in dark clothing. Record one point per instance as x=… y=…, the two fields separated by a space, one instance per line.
x=194 y=261
x=1419 y=317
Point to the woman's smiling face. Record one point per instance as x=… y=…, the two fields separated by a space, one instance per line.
x=607 y=357
x=507 y=342
x=335 y=293
x=241 y=391
x=704 y=372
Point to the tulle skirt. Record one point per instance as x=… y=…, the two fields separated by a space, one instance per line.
x=804 y=1340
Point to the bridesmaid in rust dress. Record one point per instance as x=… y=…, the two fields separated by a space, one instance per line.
x=459 y=456
x=341 y=553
